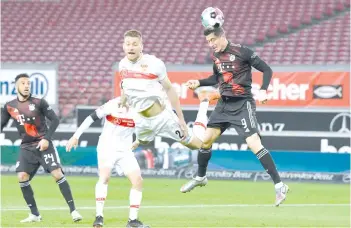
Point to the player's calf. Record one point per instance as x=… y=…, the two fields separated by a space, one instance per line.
x=66 y=193
x=28 y=196
x=263 y=155
x=135 y=195
x=101 y=190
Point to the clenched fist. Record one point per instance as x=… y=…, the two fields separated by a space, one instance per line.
x=192 y=84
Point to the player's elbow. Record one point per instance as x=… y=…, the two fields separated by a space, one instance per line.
x=269 y=70
x=55 y=120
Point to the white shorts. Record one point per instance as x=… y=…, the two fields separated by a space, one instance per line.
x=165 y=124
x=124 y=161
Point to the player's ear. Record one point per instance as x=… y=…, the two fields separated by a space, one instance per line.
x=142 y=46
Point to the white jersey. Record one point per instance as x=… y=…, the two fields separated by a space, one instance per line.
x=141 y=81
x=118 y=127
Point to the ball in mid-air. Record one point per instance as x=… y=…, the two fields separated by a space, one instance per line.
x=212 y=17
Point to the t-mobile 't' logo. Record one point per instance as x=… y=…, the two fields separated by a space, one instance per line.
x=20 y=119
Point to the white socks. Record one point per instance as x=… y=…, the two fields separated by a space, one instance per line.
x=200 y=124
x=135 y=197
x=278 y=185
x=100 y=197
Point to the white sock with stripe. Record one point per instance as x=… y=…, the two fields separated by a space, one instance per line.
x=135 y=197
x=100 y=197
x=200 y=123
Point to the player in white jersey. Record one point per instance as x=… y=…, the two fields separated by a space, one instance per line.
x=114 y=149
x=144 y=82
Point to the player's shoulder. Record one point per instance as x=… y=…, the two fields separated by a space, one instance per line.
x=11 y=102
x=236 y=48
x=37 y=100
x=123 y=61
x=113 y=101
x=153 y=59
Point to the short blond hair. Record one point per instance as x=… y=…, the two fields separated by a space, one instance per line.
x=133 y=33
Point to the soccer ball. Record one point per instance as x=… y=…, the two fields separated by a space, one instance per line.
x=212 y=18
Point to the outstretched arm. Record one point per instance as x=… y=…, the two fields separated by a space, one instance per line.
x=97 y=114
x=255 y=61
x=5 y=117
x=210 y=81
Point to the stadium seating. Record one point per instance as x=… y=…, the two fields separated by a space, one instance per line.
x=85 y=37
x=324 y=43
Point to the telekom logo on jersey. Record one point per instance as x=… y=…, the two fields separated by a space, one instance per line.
x=133 y=74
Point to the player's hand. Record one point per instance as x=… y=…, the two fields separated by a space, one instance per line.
x=262 y=96
x=135 y=144
x=72 y=142
x=184 y=128
x=192 y=84
x=43 y=145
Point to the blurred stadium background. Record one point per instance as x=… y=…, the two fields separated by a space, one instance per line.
x=70 y=48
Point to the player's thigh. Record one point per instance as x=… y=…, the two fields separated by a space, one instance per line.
x=170 y=126
x=217 y=124
x=50 y=159
x=244 y=121
x=145 y=129
x=27 y=163
x=127 y=163
x=106 y=155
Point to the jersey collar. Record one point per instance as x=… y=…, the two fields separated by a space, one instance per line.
x=30 y=95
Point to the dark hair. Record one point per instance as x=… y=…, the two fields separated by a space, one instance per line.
x=133 y=33
x=21 y=76
x=219 y=31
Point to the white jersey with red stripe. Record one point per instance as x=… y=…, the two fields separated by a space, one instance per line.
x=118 y=128
x=141 y=81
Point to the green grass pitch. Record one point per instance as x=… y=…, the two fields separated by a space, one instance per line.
x=219 y=204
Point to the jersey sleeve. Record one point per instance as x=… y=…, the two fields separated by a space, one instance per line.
x=211 y=80
x=5 y=117
x=107 y=108
x=161 y=70
x=249 y=55
x=252 y=58
x=51 y=115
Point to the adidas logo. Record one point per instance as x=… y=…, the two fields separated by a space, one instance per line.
x=16 y=110
x=53 y=164
x=247 y=130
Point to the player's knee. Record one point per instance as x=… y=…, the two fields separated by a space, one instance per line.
x=57 y=174
x=210 y=136
x=104 y=179
x=137 y=182
x=23 y=176
x=104 y=173
x=207 y=144
x=254 y=143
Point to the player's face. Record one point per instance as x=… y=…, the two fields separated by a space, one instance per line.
x=216 y=42
x=23 y=87
x=132 y=47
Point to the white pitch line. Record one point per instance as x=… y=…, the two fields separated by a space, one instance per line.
x=182 y=206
